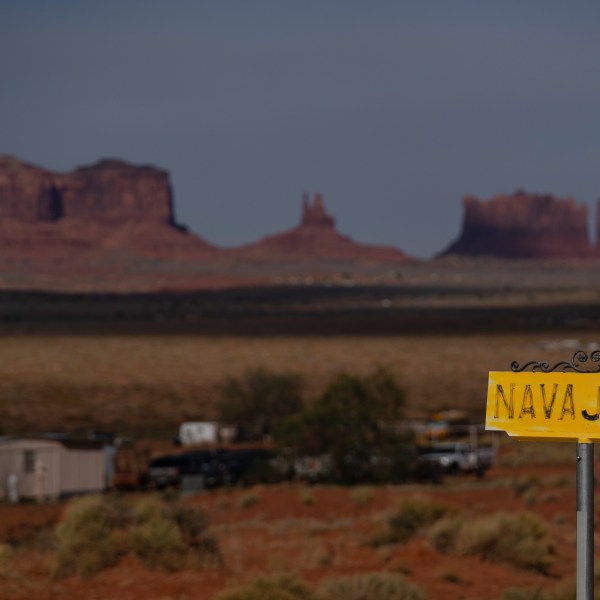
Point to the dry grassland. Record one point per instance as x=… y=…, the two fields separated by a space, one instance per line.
x=147 y=384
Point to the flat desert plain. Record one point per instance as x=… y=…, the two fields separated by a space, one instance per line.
x=147 y=384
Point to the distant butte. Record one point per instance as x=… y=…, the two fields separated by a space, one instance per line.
x=523 y=226
x=109 y=205
x=110 y=226
x=316 y=239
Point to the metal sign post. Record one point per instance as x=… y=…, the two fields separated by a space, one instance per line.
x=558 y=403
x=585 y=521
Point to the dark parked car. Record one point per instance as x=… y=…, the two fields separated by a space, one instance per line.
x=168 y=471
x=165 y=471
x=253 y=465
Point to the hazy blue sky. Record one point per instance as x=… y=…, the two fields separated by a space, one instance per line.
x=393 y=110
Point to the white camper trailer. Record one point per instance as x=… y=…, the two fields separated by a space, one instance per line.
x=47 y=469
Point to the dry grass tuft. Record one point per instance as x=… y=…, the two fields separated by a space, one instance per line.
x=520 y=539
x=375 y=586
x=412 y=515
x=97 y=531
x=280 y=588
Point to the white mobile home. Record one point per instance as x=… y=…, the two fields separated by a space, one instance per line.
x=45 y=469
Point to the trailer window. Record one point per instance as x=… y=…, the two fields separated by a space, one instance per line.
x=29 y=461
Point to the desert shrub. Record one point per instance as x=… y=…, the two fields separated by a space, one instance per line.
x=564 y=591
x=520 y=539
x=375 y=586
x=282 y=588
x=363 y=495
x=5 y=556
x=307 y=496
x=116 y=512
x=158 y=544
x=191 y=520
x=96 y=531
x=193 y=527
x=412 y=515
x=147 y=509
x=248 y=499
x=85 y=541
x=526 y=485
x=155 y=538
x=443 y=535
x=451 y=577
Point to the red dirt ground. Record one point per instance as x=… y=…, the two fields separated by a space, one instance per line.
x=318 y=533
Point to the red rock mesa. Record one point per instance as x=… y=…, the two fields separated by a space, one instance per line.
x=521 y=225
x=111 y=204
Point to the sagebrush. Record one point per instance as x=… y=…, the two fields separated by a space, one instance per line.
x=520 y=539
x=263 y=588
x=98 y=530
x=411 y=515
x=374 y=586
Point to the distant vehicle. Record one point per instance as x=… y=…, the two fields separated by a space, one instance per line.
x=313 y=468
x=165 y=471
x=457 y=457
x=198 y=432
x=130 y=468
x=169 y=470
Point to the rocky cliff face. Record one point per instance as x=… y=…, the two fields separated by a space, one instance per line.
x=113 y=190
x=27 y=193
x=522 y=225
x=111 y=204
x=316 y=239
x=314 y=213
x=110 y=190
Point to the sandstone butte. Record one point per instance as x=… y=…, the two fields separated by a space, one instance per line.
x=526 y=226
x=316 y=239
x=108 y=205
x=111 y=226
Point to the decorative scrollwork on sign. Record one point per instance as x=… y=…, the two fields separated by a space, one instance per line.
x=575 y=365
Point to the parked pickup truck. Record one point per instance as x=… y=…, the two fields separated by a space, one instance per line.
x=458 y=457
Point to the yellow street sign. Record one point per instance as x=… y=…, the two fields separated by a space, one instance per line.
x=553 y=406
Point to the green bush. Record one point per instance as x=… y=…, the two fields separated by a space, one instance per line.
x=375 y=586
x=282 y=588
x=352 y=423
x=412 y=515
x=85 y=540
x=259 y=398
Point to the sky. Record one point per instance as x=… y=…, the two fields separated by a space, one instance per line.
x=392 y=109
